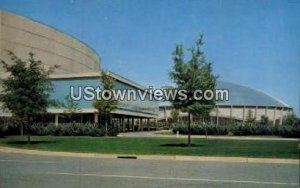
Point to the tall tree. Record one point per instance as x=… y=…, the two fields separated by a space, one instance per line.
x=191 y=75
x=26 y=91
x=106 y=106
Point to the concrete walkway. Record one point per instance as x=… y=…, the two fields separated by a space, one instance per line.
x=150 y=157
x=169 y=134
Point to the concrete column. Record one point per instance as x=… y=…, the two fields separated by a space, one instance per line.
x=281 y=116
x=217 y=114
x=132 y=124
x=96 y=118
x=123 y=123
x=266 y=111
x=274 y=116
x=128 y=125
x=256 y=113
x=244 y=109
x=56 y=119
x=165 y=113
x=230 y=113
x=141 y=127
x=148 y=124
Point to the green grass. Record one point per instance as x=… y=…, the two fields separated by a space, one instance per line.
x=164 y=146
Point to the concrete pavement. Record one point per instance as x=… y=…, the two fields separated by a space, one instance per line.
x=24 y=170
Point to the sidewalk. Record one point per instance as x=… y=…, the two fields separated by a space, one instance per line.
x=150 y=157
x=169 y=134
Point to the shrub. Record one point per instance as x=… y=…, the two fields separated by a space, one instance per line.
x=238 y=129
x=113 y=130
x=9 y=126
x=68 y=129
x=2 y=130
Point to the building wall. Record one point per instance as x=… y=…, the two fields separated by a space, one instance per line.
x=21 y=36
x=238 y=112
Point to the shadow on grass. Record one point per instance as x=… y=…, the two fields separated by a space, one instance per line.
x=32 y=142
x=179 y=145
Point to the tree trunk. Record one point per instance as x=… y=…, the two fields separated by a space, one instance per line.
x=28 y=138
x=189 y=129
x=27 y=125
x=22 y=129
x=205 y=127
x=106 y=122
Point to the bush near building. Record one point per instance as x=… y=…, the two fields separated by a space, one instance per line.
x=239 y=129
x=68 y=129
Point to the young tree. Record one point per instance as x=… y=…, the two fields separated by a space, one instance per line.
x=106 y=106
x=175 y=115
x=264 y=120
x=250 y=119
x=290 y=119
x=71 y=107
x=26 y=91
x=194 y=74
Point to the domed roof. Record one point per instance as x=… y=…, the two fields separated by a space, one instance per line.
x=243 y=95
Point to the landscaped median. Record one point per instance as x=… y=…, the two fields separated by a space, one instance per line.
x=159 y=146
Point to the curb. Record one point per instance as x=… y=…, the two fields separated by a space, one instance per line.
x=150 y=157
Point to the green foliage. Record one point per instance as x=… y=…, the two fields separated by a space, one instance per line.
x=68 y=129
x=194 y=74
x=26 y=91
x=239 y=130
x=250 y=119
x=290 y=119
x=191 y=75
x=71 y=108
x=264 y=120
x=105 y=107
x=9 y=126
x=175 y=115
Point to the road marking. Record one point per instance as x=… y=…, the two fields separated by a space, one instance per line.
x=26 y=161
x=175 y=178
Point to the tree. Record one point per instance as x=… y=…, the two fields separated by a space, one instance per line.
x=175 y=115
x=194 y=74
x=264 y=120
x=250 y=119
x=26 y=91
x=106 y=106
x=71 y=107
x=290 y=119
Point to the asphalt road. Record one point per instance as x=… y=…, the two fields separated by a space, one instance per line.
x=19 y=170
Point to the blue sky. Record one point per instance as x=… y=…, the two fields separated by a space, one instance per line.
x=253 y=43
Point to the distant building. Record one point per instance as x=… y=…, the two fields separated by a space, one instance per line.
x=242 y=99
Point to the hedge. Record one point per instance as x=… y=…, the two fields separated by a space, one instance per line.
x=68 y=129
x=239 y=130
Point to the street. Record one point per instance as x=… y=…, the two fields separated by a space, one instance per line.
x=21 y=170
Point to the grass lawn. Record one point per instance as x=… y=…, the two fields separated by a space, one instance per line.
x=164 y=146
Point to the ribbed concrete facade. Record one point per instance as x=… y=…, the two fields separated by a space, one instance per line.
x=21 y=36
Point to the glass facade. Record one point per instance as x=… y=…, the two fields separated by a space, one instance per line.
x=62 y=88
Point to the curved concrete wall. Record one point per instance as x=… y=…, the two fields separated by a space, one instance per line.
x=21 y=36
